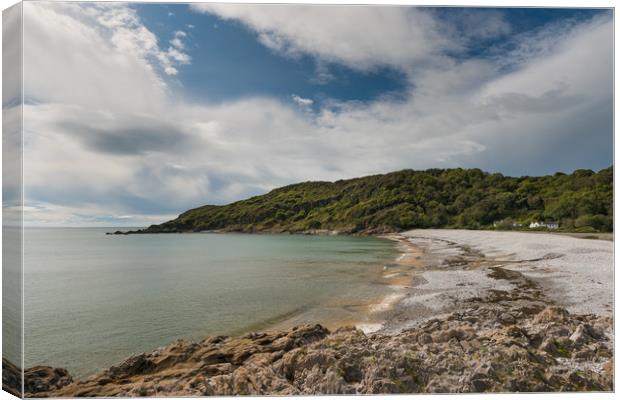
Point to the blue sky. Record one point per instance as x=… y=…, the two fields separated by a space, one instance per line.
x=138 y=112
x=228 y=63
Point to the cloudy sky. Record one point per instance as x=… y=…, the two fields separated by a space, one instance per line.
x=135 y=113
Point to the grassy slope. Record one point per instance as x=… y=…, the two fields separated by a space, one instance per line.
x=455 y=198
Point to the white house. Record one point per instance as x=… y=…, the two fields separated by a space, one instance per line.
x=548 y=225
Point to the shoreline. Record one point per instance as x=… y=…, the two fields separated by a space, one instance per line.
x=367 y=314
x=445 y=281
x=373 y=314
x=376 y=232
x=400 y=277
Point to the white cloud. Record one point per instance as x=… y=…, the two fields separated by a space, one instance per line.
x=11 y=53
x=116 y=141
x=578 y=58
x=11 y=117
x=177 y=41
x=96 y=54
x=302 y=102
x=360 y=37
x=474 y=24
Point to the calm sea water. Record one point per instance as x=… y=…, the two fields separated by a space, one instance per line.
x=92 y=300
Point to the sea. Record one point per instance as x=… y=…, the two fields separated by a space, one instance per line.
x=91 y=300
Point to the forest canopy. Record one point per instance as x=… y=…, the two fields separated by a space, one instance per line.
x=434 y=198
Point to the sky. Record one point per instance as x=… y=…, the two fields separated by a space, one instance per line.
x=137 y=112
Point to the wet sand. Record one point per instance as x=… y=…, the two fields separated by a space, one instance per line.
x=368 y=314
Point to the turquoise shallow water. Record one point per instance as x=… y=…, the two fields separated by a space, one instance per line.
x=92 y=300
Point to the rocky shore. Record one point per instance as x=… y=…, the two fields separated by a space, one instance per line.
x=492 y=327
x=508 y=348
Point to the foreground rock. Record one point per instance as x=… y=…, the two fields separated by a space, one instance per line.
x=36 y=379
x=485 y=348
